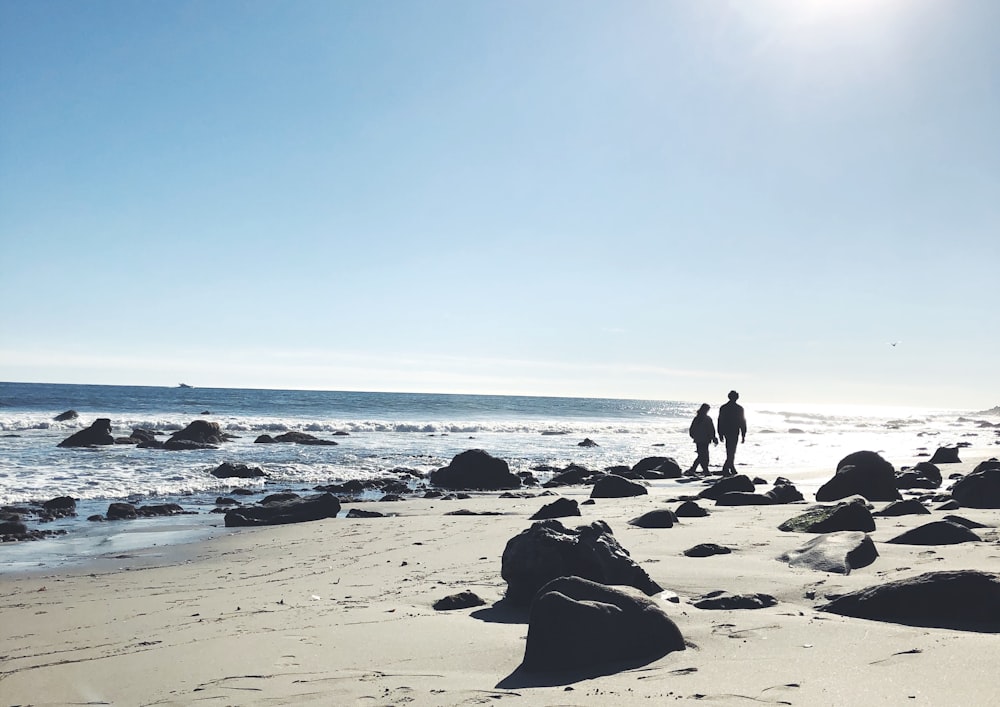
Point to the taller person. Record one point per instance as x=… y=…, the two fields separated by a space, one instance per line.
x=732 y=430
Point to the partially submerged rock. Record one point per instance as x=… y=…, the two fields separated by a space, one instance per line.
x=475 y=469
x=548 y=550
x=98 y=434
x=228 y=470
x=833 y=552
x=295 y=438
x=964 y=600
x=577 y=624
x=284 y=509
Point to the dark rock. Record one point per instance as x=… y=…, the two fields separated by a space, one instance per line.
x=829 y=519
x=923 y=475
x=946 y=455
x=66 y=416
x=298 y=438
x=282 y=511
x=223 y=501
x=121 y=511
x=573 y=475
x=784 y=491
x=744 y=498
x=96 y=518
x=548 y=550
x=151 y=444
x=578 y=624
x=161 y=509
x=226 y=470
x=966 y=600
x=666 y=467
x=939 y=532
x=951 y=505
x=99 y=433
x=559 y=508
x=981 y=488
x=179 y=445
x=965 y=521
x=903 y=508
x=13 y=528
x=200 y=432
x=462 y=600
x=861 y=474
x=690 y=509
x=740 y=482
x=475 y=469
x=834 y=552
x=587 y=442
x=264 y=439
x=706 y=550
x=143 y=435
x=725 y=600
x=60 y=507
x=361 y=513
x=655 y=519
x=614 y=486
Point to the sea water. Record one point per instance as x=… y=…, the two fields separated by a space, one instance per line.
x=377 y=433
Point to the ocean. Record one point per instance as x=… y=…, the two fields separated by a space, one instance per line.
x=377 y=433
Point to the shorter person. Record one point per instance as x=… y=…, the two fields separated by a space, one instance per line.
x=732 y=430
x=702 y=431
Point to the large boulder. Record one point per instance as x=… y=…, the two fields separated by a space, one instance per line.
x=295 y=438
x=946 y=455
x=228 y=470
x=475 y=469
x=833 y=552
x=963 y=600
x=923 y=475
x=579 y=624
x=830 y=519
x=548 y=550
x=663 y=518
x=614 y=486
x=559 y=508
x=939 y=532
x=729 y=484
x=661 y=468
x=283 y=509
x=573 y=475
x=981 y=488
x=861 y=474
x=99 y=433
x=200 y=434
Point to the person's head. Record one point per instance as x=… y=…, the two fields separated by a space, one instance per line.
x=703 y=410
x=734 y=396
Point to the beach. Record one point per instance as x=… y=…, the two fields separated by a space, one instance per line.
x=340 y=611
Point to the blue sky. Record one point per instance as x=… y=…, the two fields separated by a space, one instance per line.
x=660 y=199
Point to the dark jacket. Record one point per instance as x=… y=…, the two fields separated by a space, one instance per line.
x=702 y=429
x=732 y=421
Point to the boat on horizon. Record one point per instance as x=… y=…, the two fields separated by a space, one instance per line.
x=184 y=385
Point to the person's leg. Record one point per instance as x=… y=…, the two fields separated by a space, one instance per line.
x=703 y=456
x=730 y=466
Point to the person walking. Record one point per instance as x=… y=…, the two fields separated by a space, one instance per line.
x=732 y=430
x=702 y=431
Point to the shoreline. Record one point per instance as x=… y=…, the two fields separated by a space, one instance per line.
x=338 y=611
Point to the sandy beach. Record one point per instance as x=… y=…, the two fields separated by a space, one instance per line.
x=339 y=611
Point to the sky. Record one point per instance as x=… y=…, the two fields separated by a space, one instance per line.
x=648 y=199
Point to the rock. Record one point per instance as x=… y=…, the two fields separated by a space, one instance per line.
x=939 y=532
x=587 y=442
x=159 y=509
x=99 y=433
x=829 y=519
x=962 y=600
x=559 y=508
x=903 y=508
x=295 y=438
x=121 y=511
x=66 y=416
x=548 y=550
x=141 y=434
x=690 y=509
x=838 y=552
x=725 y=600
x=655 y=519
x=923 y=475
x=13 y=528
x=740 y=482
x=462 y=600
x=60 y=507
x=199 y=432
x=951 y=505
x=573 y=475
x=861 y=474
x=665 y=467
x=578 y=624
x=784 y=492
x=475 y=469
x=614 y=486
x=227 y=470
x=744 y=498
x=279 y=511
x=361 y=513
x=965 y=521
x=178 y=445
x=946 y=455
x=981 y=488
x=706 y=550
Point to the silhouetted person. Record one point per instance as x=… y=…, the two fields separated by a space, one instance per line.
x=702 y=432
x=732 y=430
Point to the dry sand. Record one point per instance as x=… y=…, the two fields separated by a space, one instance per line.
x=338 y=612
